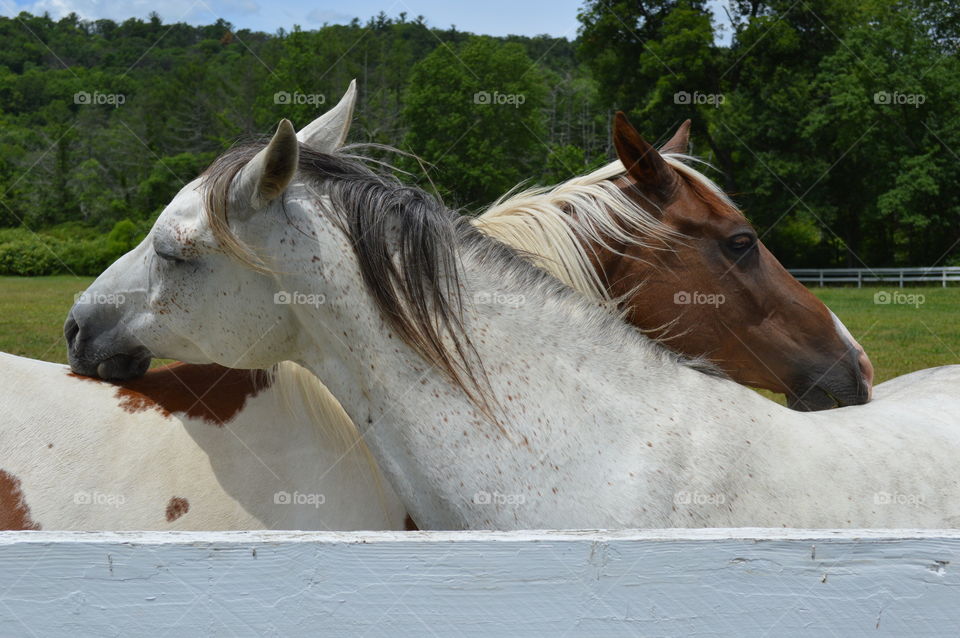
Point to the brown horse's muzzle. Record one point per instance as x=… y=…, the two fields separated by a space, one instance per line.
x=848 y=381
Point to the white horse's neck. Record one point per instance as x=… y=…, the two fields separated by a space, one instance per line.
x=575 y=385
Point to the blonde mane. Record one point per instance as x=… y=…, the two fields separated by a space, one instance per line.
x=536 y=221
x=299 y=389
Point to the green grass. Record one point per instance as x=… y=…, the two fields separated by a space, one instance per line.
x=32 y=311
x=899 y=337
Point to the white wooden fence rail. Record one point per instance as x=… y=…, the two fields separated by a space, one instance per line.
x=742 y=583
x=888 y=276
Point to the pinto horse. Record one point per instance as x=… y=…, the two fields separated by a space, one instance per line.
x=183 y=448
x=490 y=394
x=699 y=280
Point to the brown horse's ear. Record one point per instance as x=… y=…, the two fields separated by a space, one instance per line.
x=644 y=164
x=680 y=142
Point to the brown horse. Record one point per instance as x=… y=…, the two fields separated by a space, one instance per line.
x=687 y=267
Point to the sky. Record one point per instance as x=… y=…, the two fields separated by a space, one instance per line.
x=490 y=17
x=555 y=17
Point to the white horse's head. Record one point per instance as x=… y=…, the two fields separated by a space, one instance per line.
x=180 y=294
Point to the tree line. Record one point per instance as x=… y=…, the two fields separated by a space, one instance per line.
x=833 y=123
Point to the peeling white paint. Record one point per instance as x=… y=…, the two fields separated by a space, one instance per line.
x=710 y=582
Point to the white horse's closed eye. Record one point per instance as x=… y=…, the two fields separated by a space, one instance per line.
x=545 y=411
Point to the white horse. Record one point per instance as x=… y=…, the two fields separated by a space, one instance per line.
x=185 y=447
x=536 y=410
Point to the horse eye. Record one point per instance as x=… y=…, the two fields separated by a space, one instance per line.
x=742 y=242
x=169 y=258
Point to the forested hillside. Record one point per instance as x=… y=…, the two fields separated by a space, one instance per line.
x=833 y=123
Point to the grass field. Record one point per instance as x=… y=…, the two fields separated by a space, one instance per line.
x=900 y=336
x=32 y=311
x=907 y=334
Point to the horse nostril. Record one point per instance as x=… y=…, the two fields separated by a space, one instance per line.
x=71 y=329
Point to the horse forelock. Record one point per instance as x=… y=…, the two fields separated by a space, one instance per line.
x=215 y=187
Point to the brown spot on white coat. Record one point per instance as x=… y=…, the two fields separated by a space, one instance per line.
x=209 y=392
x=176 y=508
x=14 y=513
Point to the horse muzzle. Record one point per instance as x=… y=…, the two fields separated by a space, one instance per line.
x=108 y=355
x=848 y=381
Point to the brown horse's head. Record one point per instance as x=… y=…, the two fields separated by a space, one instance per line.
x=716 y=291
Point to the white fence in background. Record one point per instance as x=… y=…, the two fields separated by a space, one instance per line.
x=890 y=276
x=741 y=583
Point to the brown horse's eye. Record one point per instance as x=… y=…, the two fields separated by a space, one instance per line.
x=741 y=243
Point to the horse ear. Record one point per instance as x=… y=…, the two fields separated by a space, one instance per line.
x=680 y=142
x=268 y=174
x=643 y=163
x=328 y=132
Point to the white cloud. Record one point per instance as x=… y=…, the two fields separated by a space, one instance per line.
x=320 y=16
x=192 y=11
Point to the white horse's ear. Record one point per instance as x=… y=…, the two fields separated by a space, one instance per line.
x=266 y=176
x=328 y=132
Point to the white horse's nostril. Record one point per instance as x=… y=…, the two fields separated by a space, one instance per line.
x=71 y=329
